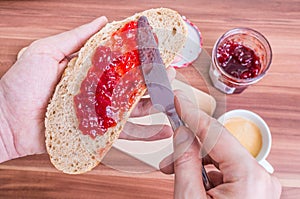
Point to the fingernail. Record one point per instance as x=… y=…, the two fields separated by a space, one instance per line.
x=171 y=73
x=104 y=18
x=182 y=135
x=101 y=19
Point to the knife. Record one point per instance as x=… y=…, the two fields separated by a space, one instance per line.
x=156 y=79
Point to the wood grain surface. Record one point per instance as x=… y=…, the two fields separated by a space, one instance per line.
x=276 y=98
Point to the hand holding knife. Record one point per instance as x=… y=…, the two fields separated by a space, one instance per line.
x=157 y=81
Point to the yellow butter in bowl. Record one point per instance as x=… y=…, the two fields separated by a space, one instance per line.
x=252 y=132
x=246 y=132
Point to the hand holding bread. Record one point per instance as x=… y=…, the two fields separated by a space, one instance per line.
x=28 y=85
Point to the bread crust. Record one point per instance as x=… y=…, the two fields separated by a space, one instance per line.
x=70 y=151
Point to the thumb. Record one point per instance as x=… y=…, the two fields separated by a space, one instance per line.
x=187 y=165
x=64 y=44
x=70 y=41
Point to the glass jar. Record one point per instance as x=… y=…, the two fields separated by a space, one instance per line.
x=240 y=57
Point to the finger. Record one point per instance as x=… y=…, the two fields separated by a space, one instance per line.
x=20 y=53
x=139 y=132
x=143 y=108
x=188 y=166
x=217 y=141
x=277 y=187
x=64 y=44
x=167 y=165
x=62 y=64
x=208 y=160
x=70 y=41
x=215 y=177
x=171 y=72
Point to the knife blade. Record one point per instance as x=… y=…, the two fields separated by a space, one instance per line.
x=155 y=74
x=156 y=79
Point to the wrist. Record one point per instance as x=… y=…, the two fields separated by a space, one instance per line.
x=8 y=149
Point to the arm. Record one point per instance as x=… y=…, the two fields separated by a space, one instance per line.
x=7 y=144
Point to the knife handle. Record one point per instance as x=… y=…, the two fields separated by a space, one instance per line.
x=174 y=119
x=176 y=122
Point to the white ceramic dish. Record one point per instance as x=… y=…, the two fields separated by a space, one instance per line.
x=264 y=129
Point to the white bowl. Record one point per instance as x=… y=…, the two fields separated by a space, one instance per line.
x=264 y=129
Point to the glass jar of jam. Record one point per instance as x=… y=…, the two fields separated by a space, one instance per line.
x=240 y=57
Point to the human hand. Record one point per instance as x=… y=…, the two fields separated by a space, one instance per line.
x=29 y=84
x=238 y=175
x=26 y=88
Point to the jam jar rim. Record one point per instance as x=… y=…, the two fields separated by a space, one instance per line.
x=240 y=30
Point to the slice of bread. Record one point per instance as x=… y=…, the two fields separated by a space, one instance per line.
x=70 y=151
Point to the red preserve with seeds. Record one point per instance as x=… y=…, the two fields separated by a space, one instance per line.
x=112 y=84
x=240 y=58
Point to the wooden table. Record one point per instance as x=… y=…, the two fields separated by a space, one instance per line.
x=276 y=98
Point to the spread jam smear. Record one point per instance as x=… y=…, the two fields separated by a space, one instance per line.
x=112 y=83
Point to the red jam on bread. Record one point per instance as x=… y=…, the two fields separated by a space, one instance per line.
x=112 y=84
